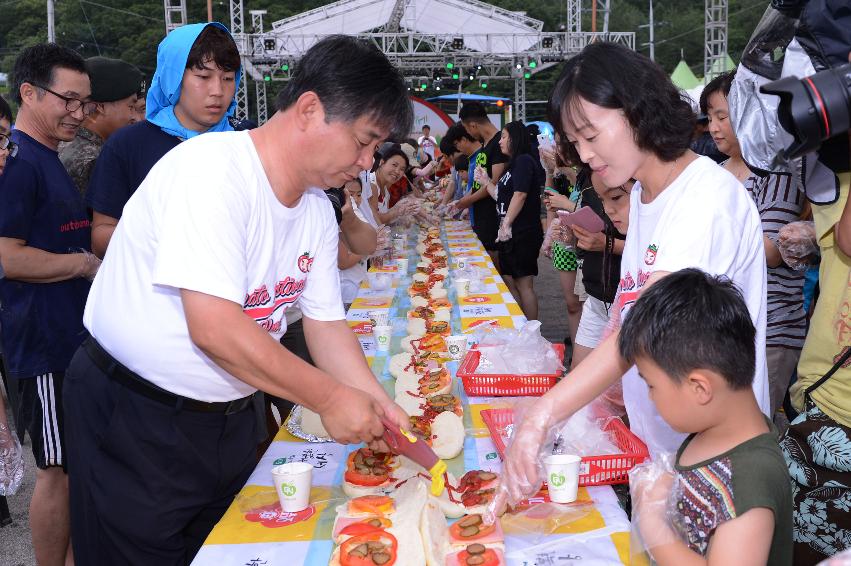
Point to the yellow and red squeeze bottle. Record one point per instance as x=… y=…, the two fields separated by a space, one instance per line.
x=406 y=444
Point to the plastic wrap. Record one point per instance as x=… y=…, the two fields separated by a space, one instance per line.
x=652 y=486
x=798 y=244
x=582 y=434
x=11 y=457
x=519 y=352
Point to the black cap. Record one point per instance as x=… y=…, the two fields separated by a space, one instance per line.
x=113 y=79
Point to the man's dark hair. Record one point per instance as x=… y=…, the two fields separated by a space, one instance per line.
x=36 y=65
x=462 y=163
x=691 y=320
x=352 y=79
x=455 y=132
x=216 y=45
x=5 y=110
x=722 y=84
x=473 y=112
x=447 y=145
x=426 y=126
x=618 y=78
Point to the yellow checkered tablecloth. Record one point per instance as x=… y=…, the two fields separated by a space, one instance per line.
x=254 y=532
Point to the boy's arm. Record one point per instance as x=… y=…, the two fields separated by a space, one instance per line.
x=743 y=541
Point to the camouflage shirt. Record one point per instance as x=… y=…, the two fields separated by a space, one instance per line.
x=79 y=156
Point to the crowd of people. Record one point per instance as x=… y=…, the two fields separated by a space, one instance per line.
x=137 y=231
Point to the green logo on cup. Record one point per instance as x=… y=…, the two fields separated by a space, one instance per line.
x=556 y=480
x=490 y=456
x=279 y=461
x=454 y=349
x=288 y=489
x=382 y=339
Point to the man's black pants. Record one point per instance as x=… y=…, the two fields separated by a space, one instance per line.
x=148 y=481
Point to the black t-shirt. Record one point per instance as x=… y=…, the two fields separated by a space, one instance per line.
x=127 y=157
x=485 y=221
x=40 y=204
x=525 y=176
x=600 y=270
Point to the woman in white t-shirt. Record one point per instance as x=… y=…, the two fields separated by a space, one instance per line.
x=392 y=167
x=618 y=112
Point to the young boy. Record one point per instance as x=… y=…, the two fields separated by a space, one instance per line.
x=730 y=501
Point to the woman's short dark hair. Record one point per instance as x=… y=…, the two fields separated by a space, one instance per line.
x=615 y=77
x=35 y=65
x=352 y=79
x=393 y=151
x=5 y=110
x=721 y=83
x=216 y=45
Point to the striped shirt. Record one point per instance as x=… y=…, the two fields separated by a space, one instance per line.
x=779 y=202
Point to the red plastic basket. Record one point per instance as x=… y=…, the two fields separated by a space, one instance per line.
x=594 y=470
x=504 y=385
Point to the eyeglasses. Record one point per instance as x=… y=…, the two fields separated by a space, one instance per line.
x=73 y=104
x=6 y=144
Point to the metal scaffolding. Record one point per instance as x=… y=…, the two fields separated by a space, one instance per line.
x=175 y=14
x=517 y=50
x=236 y=28
x=715 y=38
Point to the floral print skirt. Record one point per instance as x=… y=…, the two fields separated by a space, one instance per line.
x=818 y=452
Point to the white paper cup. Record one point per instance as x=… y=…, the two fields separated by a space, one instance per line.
x=462 y=287
x=382 y=337
x=562 y=477
x=402 y=265
x=379 y=317
x=456 y=346
x=292 y=482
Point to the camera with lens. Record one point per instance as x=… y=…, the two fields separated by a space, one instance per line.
x=814 y=108
x=338 y=200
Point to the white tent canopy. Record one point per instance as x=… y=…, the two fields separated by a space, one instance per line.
x=480 y=25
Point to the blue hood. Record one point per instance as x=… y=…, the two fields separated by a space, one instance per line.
x=165 y=88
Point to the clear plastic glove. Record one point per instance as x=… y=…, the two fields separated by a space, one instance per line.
x=547 y=246
x=523 y=470
x=480 y=175
x=548 y=157
x=798 y=245
x=11 y=457
x=651 y=486
x=504 y=232
x=91 y=264
x=382 y=242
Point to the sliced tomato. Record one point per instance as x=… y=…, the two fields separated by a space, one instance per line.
x=357 y=478
x=484 y=531
x=490 y=556
x=364 y=527
x=350 y=557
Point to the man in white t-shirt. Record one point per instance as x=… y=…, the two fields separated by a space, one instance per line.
x=427 y=141
x=226 y=233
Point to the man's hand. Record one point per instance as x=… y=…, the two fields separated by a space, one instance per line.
x=351 y=416
x=589 y=241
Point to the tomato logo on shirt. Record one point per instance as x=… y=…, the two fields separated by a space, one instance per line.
x=305 y=262
x=650 y=254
